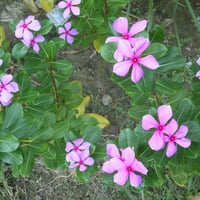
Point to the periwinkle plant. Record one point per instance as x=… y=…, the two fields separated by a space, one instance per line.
x=43 y=113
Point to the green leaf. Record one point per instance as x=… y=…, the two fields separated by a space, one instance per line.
x=50 y=153
x=19 y=50
x=175 y=99
x=37 y=148
x=107 y=52
x=13 y=114
x=92 y=134
x=60 y=43
x=100 y=152
x=156 y=49
x=27 y=166
x=42 y=135
x=126 y=138
x=13 y=24
x=186 y=111
x=8 y=142
x=13 y=158
x=156 y=34
x=138 y=111
x=46 y=27
x=171 y=61
x=44 y=100
x=193 y=131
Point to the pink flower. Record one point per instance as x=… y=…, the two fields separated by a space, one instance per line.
x=32 y=41
x=1 y=61
x=134 y=59
x=198 y=73
x=6 y=89
x=24 y=26
x=120 y=25
x=77 y=146
x=66 y=33
x=177 y=138
x=157 y=141
x=68 y=5
x=127 y=167
x=81 y=160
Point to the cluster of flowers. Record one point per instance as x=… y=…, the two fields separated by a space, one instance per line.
x=78 y=154
x=166 y=131
x=7 y=87
x=130 y=49
x=24 y=31
x=126 y=165
x=68 y=6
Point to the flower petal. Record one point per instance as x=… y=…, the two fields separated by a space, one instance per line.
x=135 y=180
x=137 y=73
x=66 y=13
x=76 y=2
x=12 y=87
x=78 y=141
x=197 y=75
x=198 y=61
x=184 y=142
x=62 y=4
x=148 y=122
x=137 y=27
x=85 y=146
x=182 y=131
x=113 y=39
x=118 y=55
x=120 y=25
x=74 y=157
x=70 y=39
x=112 y=151
x=75 y=10
x=82 y=168
x=171 y=127
x=117 y=164
x=149 y=62
x=139 y=167
x=128 y=155
x=171 y=149
x=122 y=68
x=157 y=141
x=69 y=147
x=73 y=31
x=164 y=114
x=6 y=79
x=19 y=32
x=34 y=25
x=121 y=177
x=125 y=47
x=108 y=167
x=141 y=45
x=89 y=161
x=39 y=38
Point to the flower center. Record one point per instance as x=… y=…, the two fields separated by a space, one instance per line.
x=135 y=60
x=80 y=162
x=172 y=138
x=24 y=26
x=126 y=37
x=66 y=32
x=75 y=148
x=32 y=42
x=160 y=127
x=69 y=5
x=2 y=86
x=129 y=169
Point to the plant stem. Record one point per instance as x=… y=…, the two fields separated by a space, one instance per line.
x=192 y=13
x=150 y=16
x=175 y=27
x=106 y=7
x=54 y=86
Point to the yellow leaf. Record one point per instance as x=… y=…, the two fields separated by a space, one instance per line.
x=30 y=4
x=98 y=43
x=103 y=122
x=47 y=5
x=2 y=35
x=81 y=107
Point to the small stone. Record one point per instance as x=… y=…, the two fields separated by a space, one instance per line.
x=106 y=99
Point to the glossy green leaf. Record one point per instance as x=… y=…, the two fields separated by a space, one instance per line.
x=126 y=138
x=13 y=113
x=156 y=34
x=28 y=162
x=107 y=52
x=46 y=27
x=193 y=130
x=138 y=111
x=13 y=158
x=92 y=134
x=19 y=50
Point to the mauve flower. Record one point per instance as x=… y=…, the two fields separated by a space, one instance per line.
x=24 y=26
x=32 y=41
x=198 y=73
x=134 y=59
x=77 y=146
x=120 y=25
x=81 y=160
x=69 y=6
x=127 y=168
x=164 y=125
x=7 y=87
x=67 y=33
x=176 y=138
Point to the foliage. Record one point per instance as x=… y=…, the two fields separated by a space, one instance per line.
x=49 y=111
